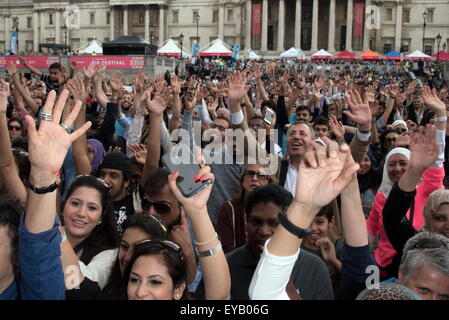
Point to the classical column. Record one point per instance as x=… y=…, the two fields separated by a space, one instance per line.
x=331 y=40
x=8 y=31
x=264 y=46
x=147 y=23
x=315 y=26
x=161 y=25
x=398 y=31
x=221 y=17
x=298 y=24
x=248 y=24
x=366 y=31
x=349 y=19
x=36 y=31
x=281 y=25
x=125 y=21
x=112 y=23
x=57 y=26
x=42 y=18
x=238 y=27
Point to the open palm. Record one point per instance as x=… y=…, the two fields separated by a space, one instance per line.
x=423 y=146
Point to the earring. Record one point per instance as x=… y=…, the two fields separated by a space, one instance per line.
x=99 y=222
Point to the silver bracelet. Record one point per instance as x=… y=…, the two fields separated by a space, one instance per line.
x=441 y=119
x=203 y=243
x=210 y=252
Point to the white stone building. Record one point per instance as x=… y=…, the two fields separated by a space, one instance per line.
x=308 y=24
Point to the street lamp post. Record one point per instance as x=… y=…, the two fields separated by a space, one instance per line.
x=197 y=18
x=65 y=33
x=438 y=37
x=152 y=28
x=424 y=15
x=181 y=39
x=444 y=47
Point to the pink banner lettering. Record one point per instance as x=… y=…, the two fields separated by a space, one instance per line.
x=36 y=62
x=111 y=62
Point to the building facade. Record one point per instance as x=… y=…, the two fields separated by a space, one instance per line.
x=267 y=26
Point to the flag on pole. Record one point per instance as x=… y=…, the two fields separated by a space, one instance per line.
x=235 y=53
x=13 y=46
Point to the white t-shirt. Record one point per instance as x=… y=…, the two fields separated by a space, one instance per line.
x=100 y=267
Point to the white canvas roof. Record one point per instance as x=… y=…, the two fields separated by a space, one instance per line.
x=172 y=47
x=418 y=54
x=216 y=48
x=292 y=53
x=91 y=47
x=323 y=53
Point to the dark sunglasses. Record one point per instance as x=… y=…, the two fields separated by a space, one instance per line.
x=16 y=128
x=159 y=206
x=251 y=173
x=430 y=243
x=171 y=246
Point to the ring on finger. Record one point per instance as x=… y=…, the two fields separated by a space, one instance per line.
x=67 y=128
x=46 y=116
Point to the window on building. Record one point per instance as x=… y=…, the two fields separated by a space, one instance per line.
x=230 y=41
x=175 y=17
x=230 y=15
x=429 y=15
x=90 y=39
x=141 y=17
x=2 y=46
x=107 y=39
x=215 y=16
x=406 y=16
x=405 y=45
x=428 y=46
x=50 y=19
x=195 y=14
x=108 y=18
x=387 y=47
x=29 y=22
x=389 y=14
x=92 y=18
x=29 y=45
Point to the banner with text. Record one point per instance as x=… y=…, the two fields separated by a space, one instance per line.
x=37 y=62
x=256 y=17
x=111 y=62
x=358 y=19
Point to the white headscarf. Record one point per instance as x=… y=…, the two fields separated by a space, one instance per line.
x=387 y=184
x=400 y=122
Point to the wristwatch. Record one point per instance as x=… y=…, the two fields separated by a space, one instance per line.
x=290 y=227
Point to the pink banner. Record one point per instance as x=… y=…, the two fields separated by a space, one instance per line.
x=37 y=62
x=256 y=15
x=358 y=19
x=111 y=62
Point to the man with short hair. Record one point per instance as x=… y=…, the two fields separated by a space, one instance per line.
x=309 y=279
x=321 y=127
x=115 y=170
x=303 y=113
x=425 y=266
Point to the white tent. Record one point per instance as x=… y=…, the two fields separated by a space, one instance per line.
x=418 y=55
x=250 y=54
x=217 y=48
x=92 y=47
x=171 y=47
x=292 y=53
x=322 y=54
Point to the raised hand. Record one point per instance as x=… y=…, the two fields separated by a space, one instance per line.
x=102 y=68
x=48 y=147
x=337 y=128
x=76 y=89
x=323 y=174
x=139 y=82
x=327 y=249
x=430 y=98
x=12 y=69
x=140 y=152
x=424 y=148
x=116 y=81
x=4 y=94
x=73 y=65
x=156 y=105
x=236 y=84
x=89 y=71
x=115 y=149
x=360 y=111
x=175 y=84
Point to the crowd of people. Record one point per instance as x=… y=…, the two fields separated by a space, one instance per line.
x=314 y=176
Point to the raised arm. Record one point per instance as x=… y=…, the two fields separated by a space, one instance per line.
x=98 y=83
x=29 y=67
x=321 y=178
x=12 y=70
x=8 y=169
x=216 y=275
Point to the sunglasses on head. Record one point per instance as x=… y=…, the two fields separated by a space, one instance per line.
x=430 y=243
x=160 y=223
x=171 y=246
x=101 y=181
x=159 y=206
x=16 y=128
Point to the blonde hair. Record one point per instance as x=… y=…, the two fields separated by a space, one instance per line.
x=434 y=201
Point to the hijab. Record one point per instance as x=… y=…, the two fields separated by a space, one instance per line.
x=387 y=183
x=99 y=152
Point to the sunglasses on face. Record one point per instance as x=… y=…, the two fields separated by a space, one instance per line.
x=166 y=244
x=160 y=207
x=430 y=243
x=251 y=173
x=16 y=128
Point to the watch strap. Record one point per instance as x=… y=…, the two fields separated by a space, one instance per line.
x=44 y=190
x=290 y=227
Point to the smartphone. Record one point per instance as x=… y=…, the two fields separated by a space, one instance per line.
x=269 y=116
x=187 y=172
x=128 y=88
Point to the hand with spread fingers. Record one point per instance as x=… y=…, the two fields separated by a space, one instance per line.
x=360 y=111
x=49 y=145
x=140 y=152
x=322 y=174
